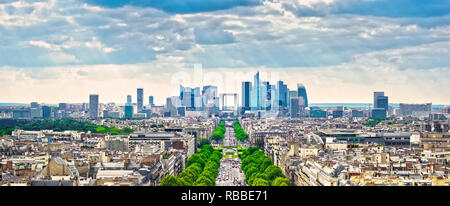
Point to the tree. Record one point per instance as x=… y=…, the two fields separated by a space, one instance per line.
x=170 y=180
x=273 y=172
x=196 y=158
x=204 y=141
x=217 y=135
x=281 y=181
x=250 y=171
x=204 y=181
x=208 y=148
x=260 y=182
x=264 y=163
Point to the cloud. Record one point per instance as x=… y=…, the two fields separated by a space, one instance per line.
x=336 y=43
x=178 y=6
x=213 y=36
x=387 y=8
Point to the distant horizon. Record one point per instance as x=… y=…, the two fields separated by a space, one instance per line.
x=313 y=103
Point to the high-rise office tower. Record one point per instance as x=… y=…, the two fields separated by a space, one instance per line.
x=128 y=111
x=186 y=97
x=293 y=93
x=129 y=100
x=150 y=101
x=381 y=105
x=383 y=102
x=301 y=92
x=93 y=105
x=62 y=106
x=140 y=99
x=46 y=111
x=246 y=89
x=209 y=93
x=271 y=96
x=35 y=110
x=256 y=93
x=197 y=98
x=282 y=94
x=265 y=95
x=62 y=109
x=34 y=105
x=375 y=97
x=297 y=107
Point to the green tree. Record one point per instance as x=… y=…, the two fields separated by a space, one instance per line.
x=202 y=180
x=260 y=182
x=196 y=158
x=273 y=172
x=250 y=171
x=170 y=180
x=204 y=141
x=281 y=181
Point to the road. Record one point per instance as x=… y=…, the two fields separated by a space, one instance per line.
x=230 y=173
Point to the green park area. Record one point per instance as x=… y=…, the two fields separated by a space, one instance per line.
x=9 y=125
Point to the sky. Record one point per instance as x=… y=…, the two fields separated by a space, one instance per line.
x=341 y=50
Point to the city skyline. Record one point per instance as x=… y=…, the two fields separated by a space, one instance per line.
x=340 y=50
x=134 y=99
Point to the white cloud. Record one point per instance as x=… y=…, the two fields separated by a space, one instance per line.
x=70 y=39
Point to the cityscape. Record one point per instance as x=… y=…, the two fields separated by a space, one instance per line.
x=271 y=137
x=224 y=95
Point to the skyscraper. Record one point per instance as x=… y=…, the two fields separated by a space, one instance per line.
x=46 y=111
x=150 y=101
x=297 y=107
x=282 y=96
x=246 y=89
x=301 y=92
x=375 y=97
x=62 y=106
x=209 y=93
x=129 y=100
x=256 y=91
x=93 y=105
x=196 y=95
x=35 y=110
x=381 y=105
x=383 y=102
x=140 y=99
x=128 y=111
x=186 y=97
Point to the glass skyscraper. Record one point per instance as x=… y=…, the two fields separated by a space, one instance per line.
x=246 y=89
x=129 y=111
x=301 y=92
x=129 y=101
x=140 y=99
x=282 y=96
x=381 y=105
x=255 y=101
x=150 y=101
x=93 y=105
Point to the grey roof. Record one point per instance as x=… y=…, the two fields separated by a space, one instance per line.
x=51 y=183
